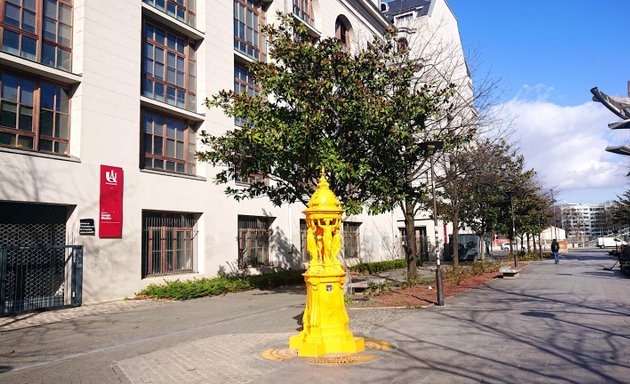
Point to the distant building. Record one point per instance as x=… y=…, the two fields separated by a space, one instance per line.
x=585 y=221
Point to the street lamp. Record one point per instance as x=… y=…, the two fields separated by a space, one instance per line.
x=431 y=147
x=515 y=253
x=553 y=207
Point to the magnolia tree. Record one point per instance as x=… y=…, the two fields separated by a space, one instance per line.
x=364 y=115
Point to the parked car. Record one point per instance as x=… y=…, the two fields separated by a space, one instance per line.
x=609 y=242
x=469 y=248
x=506 y=246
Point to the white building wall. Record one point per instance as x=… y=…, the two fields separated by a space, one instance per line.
x=106 y=128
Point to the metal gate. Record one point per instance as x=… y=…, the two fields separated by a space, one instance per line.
x=36 y=278
x=37 y=269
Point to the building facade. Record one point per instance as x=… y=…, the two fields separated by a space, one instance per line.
x=101 y=109
x=586 y=221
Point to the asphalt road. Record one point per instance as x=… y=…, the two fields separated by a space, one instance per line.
x=566 y=323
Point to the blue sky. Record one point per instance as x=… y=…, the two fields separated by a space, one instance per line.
x=548 y=55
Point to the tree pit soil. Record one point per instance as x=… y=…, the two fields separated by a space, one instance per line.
x=422 y=295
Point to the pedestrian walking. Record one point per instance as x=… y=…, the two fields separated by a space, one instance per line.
x=555 y=250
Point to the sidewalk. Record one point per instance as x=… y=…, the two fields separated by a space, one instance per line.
x=563 y=323
x=47 y=317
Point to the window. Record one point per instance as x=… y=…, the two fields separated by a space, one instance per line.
x=25 y=26
x=422 y=252
x=182 y=10
x=169 y=68
x=57 y=31
x=243 y=83
x=402 y=44
x=168 y=243
x=303 y=9
x=247 y=37
x=18 y=115
x=254 y=178
x=168 y=144
x=351 y=240
x=342 y=31
x=254 y=235
x=403 y=19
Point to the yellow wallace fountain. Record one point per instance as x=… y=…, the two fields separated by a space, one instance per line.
x=325 y=321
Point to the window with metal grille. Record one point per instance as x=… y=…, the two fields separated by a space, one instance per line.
x=23 y=125
x=169 y=67
x=303 y=9
x=247 y=37
x=182 y=10
x=254 y=235
x=168 y=144
x=29 y=24
x=168 y=243
x=351 y=240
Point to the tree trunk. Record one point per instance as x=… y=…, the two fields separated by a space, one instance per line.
x=455 y=238
x=410 y=236
x=528 y=243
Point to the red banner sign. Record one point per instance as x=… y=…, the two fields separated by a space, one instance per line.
x=111 y=204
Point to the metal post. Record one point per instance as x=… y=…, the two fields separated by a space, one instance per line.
x=553 y=207
x=76 y=289
x=3 y=279
x=438 y=271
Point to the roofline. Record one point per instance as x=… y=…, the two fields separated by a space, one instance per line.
x=376 y=12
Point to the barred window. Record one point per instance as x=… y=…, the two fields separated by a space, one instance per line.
x=303 y=9
x=168 y=243
x=182 y=10
x=24 y=126
x=254 y=235
x=247 y=37
x=25 y=26
x=169 y=68
x=351 y=240
x=168 y=144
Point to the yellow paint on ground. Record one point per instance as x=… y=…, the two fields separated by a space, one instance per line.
x=275 y=354
x=340 y=359
x=377 y=345
x=282 y=354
